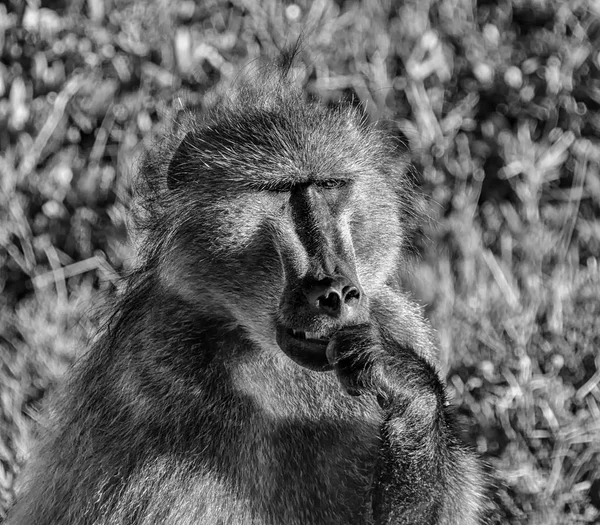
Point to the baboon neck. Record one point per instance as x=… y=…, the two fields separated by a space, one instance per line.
x=152 y=325
x=169 y=313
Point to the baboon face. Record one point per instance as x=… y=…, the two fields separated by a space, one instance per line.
x=292 y=223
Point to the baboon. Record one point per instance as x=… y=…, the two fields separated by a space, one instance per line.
x=263 y=365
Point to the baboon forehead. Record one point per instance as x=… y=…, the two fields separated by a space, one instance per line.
x=308 y=140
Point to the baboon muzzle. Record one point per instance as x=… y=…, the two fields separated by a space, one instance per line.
x=321 y=292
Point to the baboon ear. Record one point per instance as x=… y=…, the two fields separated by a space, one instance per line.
x=395 y=135
x=181 y=167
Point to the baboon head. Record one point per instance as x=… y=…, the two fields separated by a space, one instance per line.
x=281 y=216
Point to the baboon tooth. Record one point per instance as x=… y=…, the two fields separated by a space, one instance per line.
x=299 y=334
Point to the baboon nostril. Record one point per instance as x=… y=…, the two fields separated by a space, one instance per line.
x=350 y=294
x=332 y=296
x=331 y=301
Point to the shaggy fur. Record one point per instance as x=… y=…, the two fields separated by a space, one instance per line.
x=187 y=411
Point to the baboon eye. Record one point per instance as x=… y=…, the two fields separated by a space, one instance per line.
x=330 y=184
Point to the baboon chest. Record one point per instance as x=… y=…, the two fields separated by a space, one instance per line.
x=300 y=471
x=306 y=452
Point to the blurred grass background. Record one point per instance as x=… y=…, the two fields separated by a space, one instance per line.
x=501 y=104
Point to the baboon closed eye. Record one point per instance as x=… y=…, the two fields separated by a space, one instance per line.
x=273 y=234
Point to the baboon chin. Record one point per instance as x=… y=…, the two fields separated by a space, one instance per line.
x=263 y=365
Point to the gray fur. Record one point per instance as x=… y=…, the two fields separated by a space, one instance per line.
x=187 y=411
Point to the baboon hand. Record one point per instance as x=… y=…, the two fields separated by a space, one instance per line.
x=352 y=352
x=365 y=362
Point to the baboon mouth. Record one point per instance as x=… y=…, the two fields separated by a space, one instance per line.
x=308 y=349
x=311 y=337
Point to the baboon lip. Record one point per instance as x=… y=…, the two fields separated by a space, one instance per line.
x=308 y=349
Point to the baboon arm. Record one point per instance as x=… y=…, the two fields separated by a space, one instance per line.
x=424 y=473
